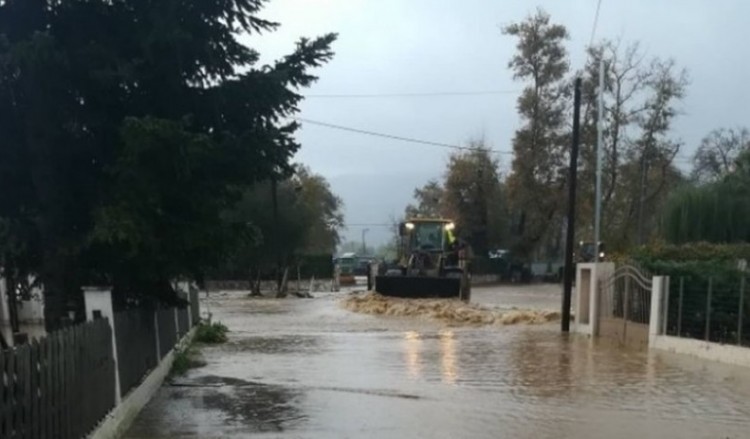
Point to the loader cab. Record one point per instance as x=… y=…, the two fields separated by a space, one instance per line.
x=426 y=235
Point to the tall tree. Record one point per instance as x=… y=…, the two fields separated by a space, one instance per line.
x=128 y=126
x=473 y=195
x=716 y=211
x=429 y=201
x=307 y=222
x=640 y=98
x=536 y=183
x=717 y=153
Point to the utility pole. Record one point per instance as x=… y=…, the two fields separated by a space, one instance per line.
x=364 y=246
x=570 y=235
x=599 y=130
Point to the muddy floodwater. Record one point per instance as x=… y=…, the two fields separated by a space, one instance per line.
x=311 y=368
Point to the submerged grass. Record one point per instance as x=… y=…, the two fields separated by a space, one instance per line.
x=211 y=333
x=186 y=359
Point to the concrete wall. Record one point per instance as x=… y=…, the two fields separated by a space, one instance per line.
x=736 y=355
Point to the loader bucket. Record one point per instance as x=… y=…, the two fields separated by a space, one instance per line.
x=418 y=286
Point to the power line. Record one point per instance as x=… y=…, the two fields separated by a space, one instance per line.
x=394 y=137
x=414 y=95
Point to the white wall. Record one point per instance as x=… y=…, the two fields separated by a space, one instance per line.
x=728 y=354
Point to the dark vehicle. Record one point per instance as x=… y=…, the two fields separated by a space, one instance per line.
x=587 y=251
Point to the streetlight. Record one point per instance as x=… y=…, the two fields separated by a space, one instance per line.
x=364 y=246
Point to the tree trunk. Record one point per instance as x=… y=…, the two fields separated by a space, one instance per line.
x=299 y=280
x=282 y=290
x=253 y=283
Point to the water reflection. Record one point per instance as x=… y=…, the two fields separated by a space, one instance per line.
x=412 y=351
x=448 y=356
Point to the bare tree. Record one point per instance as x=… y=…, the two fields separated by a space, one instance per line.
x=640 y=98
x=718 y=152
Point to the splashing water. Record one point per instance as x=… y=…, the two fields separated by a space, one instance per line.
x=452 y=311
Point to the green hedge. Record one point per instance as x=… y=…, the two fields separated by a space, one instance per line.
x=691 y=267
x=697 y=251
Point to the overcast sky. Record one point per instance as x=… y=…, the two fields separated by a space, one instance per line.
x=415 y=46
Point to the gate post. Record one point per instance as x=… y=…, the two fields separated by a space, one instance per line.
x=657 y=317
x=98 y=303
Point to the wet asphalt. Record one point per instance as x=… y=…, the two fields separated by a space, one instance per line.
x=306 y=368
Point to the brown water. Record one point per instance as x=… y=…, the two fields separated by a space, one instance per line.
x=310 y=368
x=453 y=312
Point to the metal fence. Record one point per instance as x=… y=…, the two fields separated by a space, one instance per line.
x=626 y=295
x=60 y=386
x=715 y=309
x=136 y=346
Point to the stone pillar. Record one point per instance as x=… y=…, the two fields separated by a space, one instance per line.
x=656 y=317
x=591 y=279
x=98 y=301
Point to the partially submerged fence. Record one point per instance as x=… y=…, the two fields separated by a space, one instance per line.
x=715 y=309
x=63 y=385
x=624 y=305
x=166 y=321
x=60 y=386
x=136 y=346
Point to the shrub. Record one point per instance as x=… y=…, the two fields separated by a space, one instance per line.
x=212 y=333
x=691 y=267
x=185 y=359
x=181 y=362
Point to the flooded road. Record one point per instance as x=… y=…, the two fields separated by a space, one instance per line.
x=309 y=368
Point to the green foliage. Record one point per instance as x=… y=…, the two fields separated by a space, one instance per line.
x=309 y=217
x=693 y=252
x=692 y=268
x=128 y=127
x=715 y=212
x=473 y=195
x=537 y=182
x=181 y=363
x=211 y=333
x=320 y=266
x=184 y=360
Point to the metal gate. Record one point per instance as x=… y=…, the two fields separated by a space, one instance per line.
x=625 y=306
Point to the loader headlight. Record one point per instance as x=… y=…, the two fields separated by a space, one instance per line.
x=450 y=226
x=409 y=226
